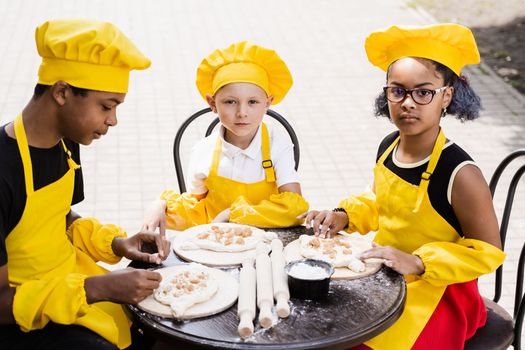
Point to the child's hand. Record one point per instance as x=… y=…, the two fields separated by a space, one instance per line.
x=223 y=216
x=198 y=185
x=128 y=286
x=131 y=247
x=325 y=223
x=404 y=263
x=155 y=217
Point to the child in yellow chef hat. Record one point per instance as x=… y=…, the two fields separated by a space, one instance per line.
x=430 y=205
x=53 y=294
x=244 y=172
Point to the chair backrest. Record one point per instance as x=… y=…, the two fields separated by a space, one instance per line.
x=519 y=307
x=187 y=122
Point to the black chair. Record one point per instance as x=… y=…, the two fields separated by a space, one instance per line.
x=503 y=330
x=187 y=122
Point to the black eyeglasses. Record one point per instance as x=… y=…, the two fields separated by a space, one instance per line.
x=397 y=94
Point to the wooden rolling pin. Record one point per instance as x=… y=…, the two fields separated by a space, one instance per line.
x=246 y=303
x=264 y=285
x=281 y=293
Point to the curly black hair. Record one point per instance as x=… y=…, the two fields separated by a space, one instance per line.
x=465 y=104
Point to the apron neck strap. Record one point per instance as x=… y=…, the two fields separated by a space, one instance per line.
x=388 y=150
x=425 y=177
x=23 y=148
x=266 y=155
x=214 y=168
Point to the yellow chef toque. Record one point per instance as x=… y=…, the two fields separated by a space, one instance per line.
x=247 y=63
x=87 y=54
x=450 y=44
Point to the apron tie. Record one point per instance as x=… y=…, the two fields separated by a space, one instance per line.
x=266 y=156
x=425 y=176
x=70 y=161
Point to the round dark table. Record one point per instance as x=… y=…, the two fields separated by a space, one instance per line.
x=355 y=311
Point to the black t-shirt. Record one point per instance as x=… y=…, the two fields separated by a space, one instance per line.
x=49 y=165
x=451 y=157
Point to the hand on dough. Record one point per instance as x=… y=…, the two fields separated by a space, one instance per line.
x=223 y=216
x=198 y=184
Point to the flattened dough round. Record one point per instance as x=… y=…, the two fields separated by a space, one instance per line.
x=292 y=252
x=225 y=297
x=210 y=257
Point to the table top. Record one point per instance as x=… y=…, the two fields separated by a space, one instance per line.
x=355 y=311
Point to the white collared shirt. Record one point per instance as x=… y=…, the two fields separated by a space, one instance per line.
x=245 y=165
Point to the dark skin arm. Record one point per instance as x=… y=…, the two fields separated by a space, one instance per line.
x=131 y=247
x=70 y=217
x=128 y=286
x=472 y=204
x=7 y=294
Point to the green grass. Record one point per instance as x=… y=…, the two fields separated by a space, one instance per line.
x=483 y=70
x=500 y=54
x=518 y=85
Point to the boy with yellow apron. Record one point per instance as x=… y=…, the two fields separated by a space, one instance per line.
x=53 y=295
x=430 y=206
x=244 y=172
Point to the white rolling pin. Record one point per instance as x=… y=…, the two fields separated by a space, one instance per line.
x=281 y=292
x=264 y=285
x=246 y=303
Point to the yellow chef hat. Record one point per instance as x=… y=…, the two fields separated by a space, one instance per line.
x=247 y=63
x=450 y=44
x=87 y=54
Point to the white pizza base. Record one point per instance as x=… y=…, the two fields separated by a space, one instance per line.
x=210 y=257
x=292 y=252
x=225 y=297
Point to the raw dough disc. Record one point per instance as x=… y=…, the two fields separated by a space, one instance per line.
x=225 y=297
x=292 y=252
x=210 y=257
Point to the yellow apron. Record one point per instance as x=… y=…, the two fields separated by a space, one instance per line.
x=44 y=266
x=407 y=220
x=259 y=203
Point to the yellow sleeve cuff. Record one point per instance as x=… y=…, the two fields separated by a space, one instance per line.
x=456 y=262
x=362 y=212
x=280 y=210
x=184 y=210
x=94 y=239
x=61 y=300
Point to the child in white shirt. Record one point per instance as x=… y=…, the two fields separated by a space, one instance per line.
x=244 y=172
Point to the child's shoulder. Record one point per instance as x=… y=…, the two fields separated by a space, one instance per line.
x=278 y=136
x=207 y=142
x=453 y=154
x=387 y=141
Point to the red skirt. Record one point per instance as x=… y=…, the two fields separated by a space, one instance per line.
x=460 y=312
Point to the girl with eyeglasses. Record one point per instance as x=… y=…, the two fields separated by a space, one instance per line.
x=430 y=205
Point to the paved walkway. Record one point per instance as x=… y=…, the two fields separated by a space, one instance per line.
x=330 y=104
